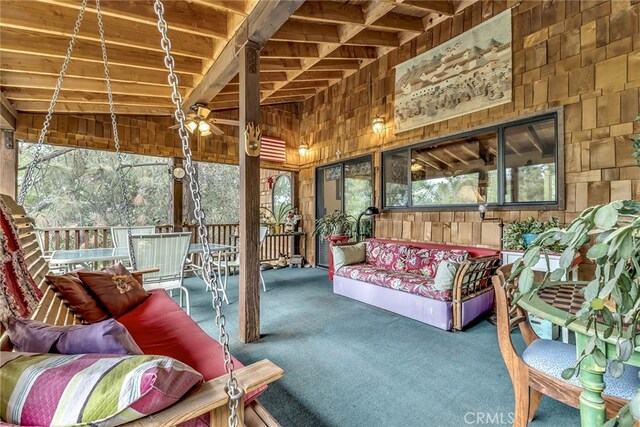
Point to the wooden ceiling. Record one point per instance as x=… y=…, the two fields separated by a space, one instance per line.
x=320 y=44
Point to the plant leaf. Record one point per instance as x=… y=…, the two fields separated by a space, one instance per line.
x=568 y=373
x=616 y=368
x=606 y=217
x=566 y=259
x=557 y=274
x=596 y=251
x=599 y=358
x=624 y=350
x=532 y=256
x=525 y=283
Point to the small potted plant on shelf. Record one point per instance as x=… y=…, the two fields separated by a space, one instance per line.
x=614 y=231
x=520 y=234
x=334 y=227
x=277 y=217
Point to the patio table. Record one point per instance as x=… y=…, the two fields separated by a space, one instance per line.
x=555 y=303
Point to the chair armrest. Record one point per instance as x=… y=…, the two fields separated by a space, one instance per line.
x=211 y=395
x=146 y=270
x=474 y=277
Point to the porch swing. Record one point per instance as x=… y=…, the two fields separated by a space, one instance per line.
x=221 y=398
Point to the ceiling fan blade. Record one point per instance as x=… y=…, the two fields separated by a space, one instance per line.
x=203 y=112
x=229 y=122
x=216 y=130
x=176 y=126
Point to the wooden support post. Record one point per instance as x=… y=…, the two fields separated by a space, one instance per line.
x=249 y=198
x=220 y=415
x=8 y=163
x=176 y=215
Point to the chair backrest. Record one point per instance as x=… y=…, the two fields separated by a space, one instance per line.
x=120 y=235
x=165 y=251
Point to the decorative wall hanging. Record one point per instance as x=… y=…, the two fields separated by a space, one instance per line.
x=468 y=73
x=252 y=136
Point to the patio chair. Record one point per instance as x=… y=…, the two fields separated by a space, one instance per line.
x=536 y=371
x=166 y=252
x=236 y=262
x=119 y=235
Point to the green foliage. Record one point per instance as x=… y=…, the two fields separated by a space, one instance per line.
x=636 y=145
x=615 y=228
x=513 y=234
x=276 y=217
x=334 y=224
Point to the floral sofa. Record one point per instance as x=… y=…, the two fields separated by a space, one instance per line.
x=401 y=277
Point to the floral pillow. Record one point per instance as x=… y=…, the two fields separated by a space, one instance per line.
x=393 y=257
x=374 y=251
x=419 y=261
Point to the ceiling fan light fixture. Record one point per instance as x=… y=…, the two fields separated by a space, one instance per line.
x=206 y=133
x=191 y=126
x=204 y=127
x=378 y=125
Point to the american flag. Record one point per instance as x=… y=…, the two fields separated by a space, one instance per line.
x=272 y=149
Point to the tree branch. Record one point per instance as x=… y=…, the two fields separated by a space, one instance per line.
x=50 y=156
x=129 y=166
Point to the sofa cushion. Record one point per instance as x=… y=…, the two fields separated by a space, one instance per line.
x=553 y=357
x=119 y=293
x=426 y=261
x=160 y=326
x=393 y=257
x=81 y=302
x=374 y=250
x=89 y=389
x=445 y=275
x=348 y=255
x=401 y=281
x=106 y=337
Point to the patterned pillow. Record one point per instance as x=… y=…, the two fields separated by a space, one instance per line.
x=393 y=257
x=374 y=250
x=48 y=389
x=419 y=261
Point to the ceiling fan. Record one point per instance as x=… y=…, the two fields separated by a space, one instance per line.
x=199 y=119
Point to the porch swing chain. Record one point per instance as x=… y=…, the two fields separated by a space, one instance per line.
x=28 y=180
x=234 y=390
x=116 y=139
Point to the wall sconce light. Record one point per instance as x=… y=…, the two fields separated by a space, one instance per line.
x=377 y=124
x=303 y=149
x=482 y=210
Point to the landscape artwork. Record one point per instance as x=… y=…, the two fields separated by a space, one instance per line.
x=468 y=73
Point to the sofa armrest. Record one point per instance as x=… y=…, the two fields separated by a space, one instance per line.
x=474 y=277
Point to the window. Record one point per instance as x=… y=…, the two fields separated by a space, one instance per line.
x=504 y=165
x=281 y=192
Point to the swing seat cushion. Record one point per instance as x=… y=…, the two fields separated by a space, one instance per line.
x=160 y=327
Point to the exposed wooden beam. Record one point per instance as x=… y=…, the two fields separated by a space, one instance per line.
x=51 y=19
x=374 y=38
x=44 y=95
x=398 y=22
x=439 y=6
x=33 y=64
x=8 y=114
x=23 y=80
x=55 y=46
x=277 y=49
x=263 y=21
x=316 y=84
x=184 y=17
x=319 y=75
x=276 y=64
x=353 y=52
x=300 y=31
x=331 y=12
x=73 y=107
x=336 y=64
x=532 y=135
x=238 y=7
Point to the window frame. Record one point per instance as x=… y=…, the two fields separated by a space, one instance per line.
x=499 y=127
x=275 y=183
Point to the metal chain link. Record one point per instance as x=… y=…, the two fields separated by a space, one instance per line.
x=116 y=139
x=234 y=390
x=28 y=181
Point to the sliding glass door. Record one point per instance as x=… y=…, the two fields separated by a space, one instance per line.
x=346 y=187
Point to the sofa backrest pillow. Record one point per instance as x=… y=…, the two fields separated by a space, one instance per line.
x=80 y=301
x=393 y=257
x=89 y=389
x=348 y=255
x=445 y=275
x=374 y=251
x=106 y=337
x=121 y=270
x=426 y=261
x=119 y=293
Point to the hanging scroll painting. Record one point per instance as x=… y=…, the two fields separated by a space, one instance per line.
x=468 y=73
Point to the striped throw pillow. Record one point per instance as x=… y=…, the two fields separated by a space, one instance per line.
x=53 y=389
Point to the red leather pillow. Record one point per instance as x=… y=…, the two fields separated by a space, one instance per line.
x=81 y=302
x=119 y=293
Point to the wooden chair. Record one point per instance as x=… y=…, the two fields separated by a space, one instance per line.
x=537 y=370
x=166 y=252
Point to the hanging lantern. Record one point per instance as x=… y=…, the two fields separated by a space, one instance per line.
x=377 y=124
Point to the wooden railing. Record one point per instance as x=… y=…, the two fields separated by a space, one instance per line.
x=100 y=237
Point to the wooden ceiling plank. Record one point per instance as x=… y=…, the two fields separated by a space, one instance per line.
x=331 y=12
x=55 y=46
x=439 y=6
x=353 y=52
x=75 y=107
x=315 y=84
x=12 y=61
x=374 y=38
x=43 y=95
x=277 y=64
x=181 y=16
x=10 y=79
x=278 y=49
x=299 y=31
x=335 y=65
x=262 y=22
x=319 y=75
x=50 y=19
x=398 y=22
x=239 y=7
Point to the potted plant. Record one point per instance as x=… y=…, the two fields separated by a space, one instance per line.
x=520 y=234
x=614 y=230
x=278 y=216
x=335 y=226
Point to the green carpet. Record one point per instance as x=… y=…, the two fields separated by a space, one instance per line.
x=350 y=364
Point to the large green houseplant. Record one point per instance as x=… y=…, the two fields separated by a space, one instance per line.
x=334 y=224
x=614 y=231
x=515 y=235
x=275 y=218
